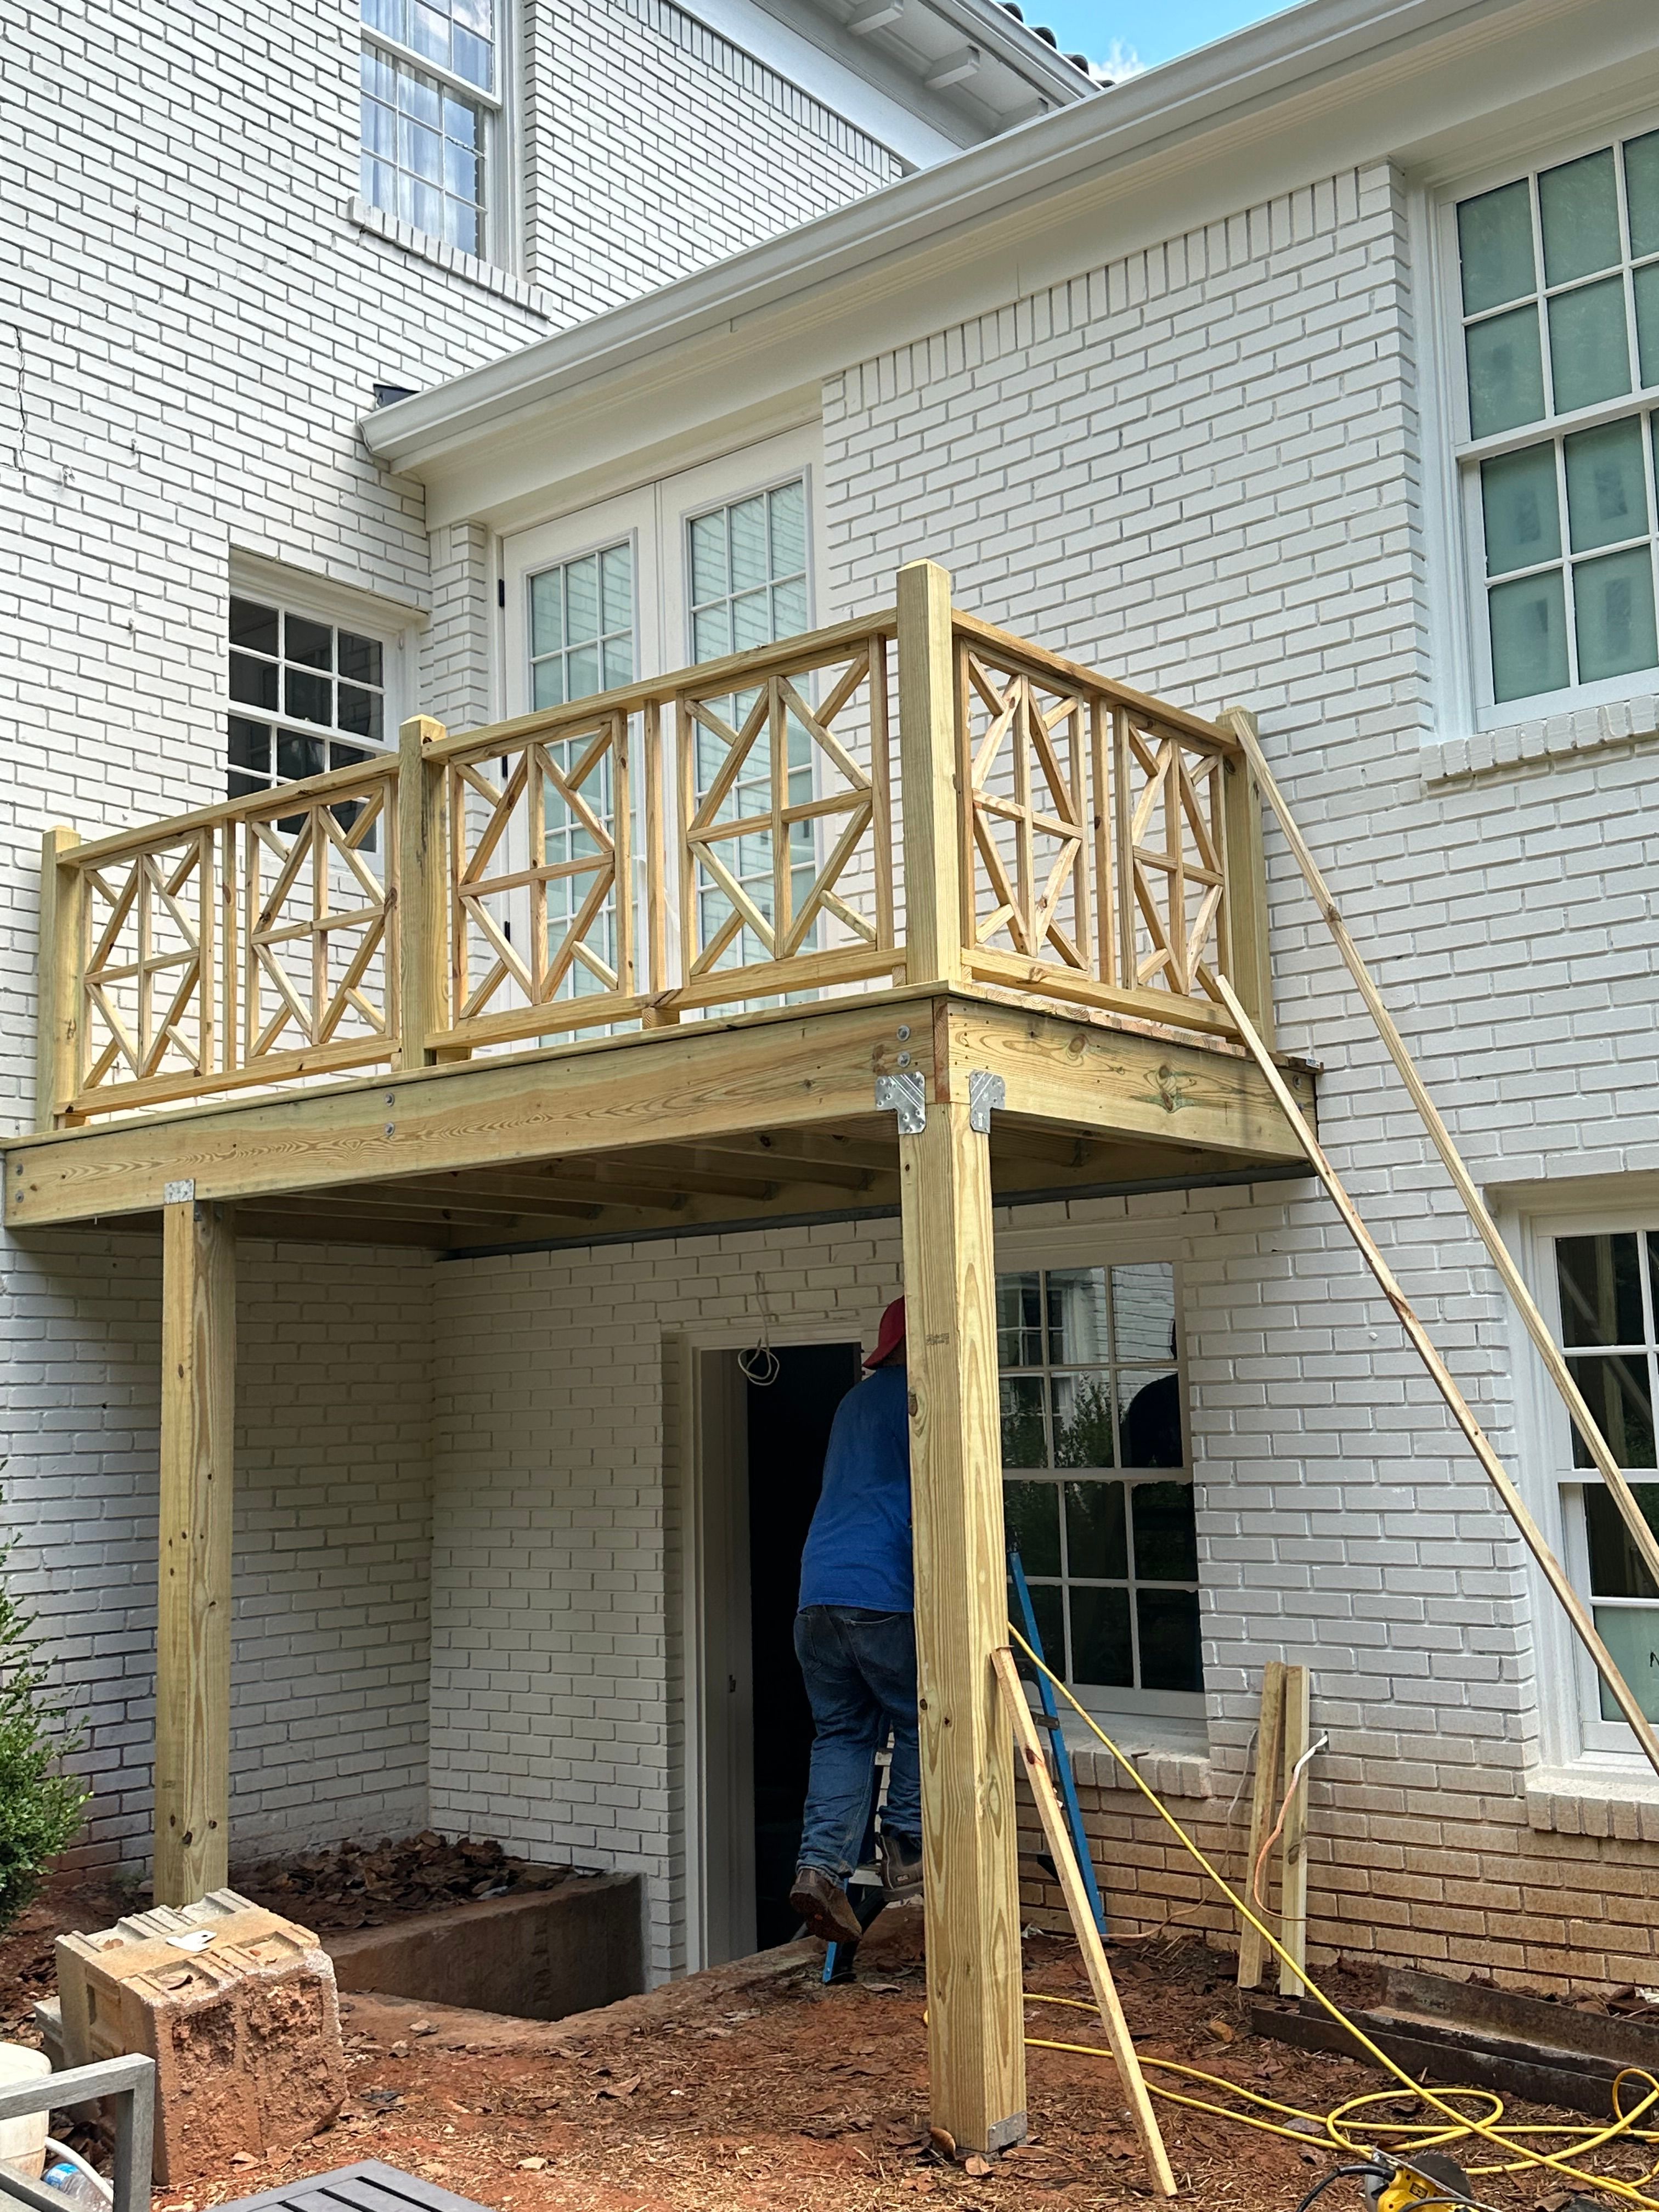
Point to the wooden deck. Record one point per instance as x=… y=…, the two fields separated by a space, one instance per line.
x=705 y=952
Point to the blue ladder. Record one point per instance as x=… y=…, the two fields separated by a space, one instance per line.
x=1048 y=1719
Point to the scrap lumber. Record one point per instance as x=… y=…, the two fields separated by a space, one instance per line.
x=1269 y=1760
x=1029 y=1749
x=1293 y=1843
x=1481 y=1446
x=1642 y=1536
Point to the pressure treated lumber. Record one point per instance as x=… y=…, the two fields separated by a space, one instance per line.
x=934 y=922
x=192 y=1655
x=1496 y=1473
x=976 y=2052
x=1293 y=1845
x=1264 y=1804
x=1028 y=1750
x=63 y=911
x=1555 y=1366
x=423 y=966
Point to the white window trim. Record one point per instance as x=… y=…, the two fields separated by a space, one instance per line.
x=1577 y=1749
x=1460 y=633
x=1156 y=1721
x=502 y=245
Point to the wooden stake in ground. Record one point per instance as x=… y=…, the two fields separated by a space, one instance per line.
x=1497 y=1474
x=1644 y=1538
x=1293 y=1845
x=1264 y=1806
x=1028 y=1750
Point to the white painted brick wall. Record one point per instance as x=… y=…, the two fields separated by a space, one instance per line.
x=332 y=1526
x=192 y=328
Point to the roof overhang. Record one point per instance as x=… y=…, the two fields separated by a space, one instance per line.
x=742 y=346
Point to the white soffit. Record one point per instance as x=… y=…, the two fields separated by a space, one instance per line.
x=1332 y=84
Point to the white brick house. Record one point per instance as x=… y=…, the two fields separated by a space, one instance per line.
x=1250 y=382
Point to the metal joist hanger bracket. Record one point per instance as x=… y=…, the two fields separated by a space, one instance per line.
x=986 y=1094
x=905 y=1094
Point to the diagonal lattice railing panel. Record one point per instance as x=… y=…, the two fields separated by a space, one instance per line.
x=317 y=960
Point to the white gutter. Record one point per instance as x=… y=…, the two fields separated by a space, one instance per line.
x=1220 y=84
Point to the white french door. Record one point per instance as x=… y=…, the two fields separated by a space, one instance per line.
x=703 y=563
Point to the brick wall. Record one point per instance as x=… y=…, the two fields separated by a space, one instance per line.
x=331 y=1527
x=195 y=325
x=1203 y=465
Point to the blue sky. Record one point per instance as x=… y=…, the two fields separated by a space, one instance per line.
x=1151 y=30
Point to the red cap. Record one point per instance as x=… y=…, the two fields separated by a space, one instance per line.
x=890 y=1337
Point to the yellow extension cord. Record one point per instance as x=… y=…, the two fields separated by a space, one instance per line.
x=1341 y=2126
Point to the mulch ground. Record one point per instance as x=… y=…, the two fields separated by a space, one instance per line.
x=755 y=2089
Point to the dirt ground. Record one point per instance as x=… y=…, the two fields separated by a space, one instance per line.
x=756 y=2089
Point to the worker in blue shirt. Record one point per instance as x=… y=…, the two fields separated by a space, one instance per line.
x=855 y=1636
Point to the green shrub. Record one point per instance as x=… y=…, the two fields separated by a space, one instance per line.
x=41 y=1805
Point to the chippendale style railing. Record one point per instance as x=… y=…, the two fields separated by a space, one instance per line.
x=742 y=833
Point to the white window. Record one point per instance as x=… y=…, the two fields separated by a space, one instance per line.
x=431 y=117
x=306 y=694
x=1558 y=299
x=581 y=626
x=1605 y=1285
x=1097 y=1483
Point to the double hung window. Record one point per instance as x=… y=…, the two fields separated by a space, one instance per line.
x=431 y=109
x=1605 y=1285
x=1558 y=285
x=1097 y=1486
x=306 y=696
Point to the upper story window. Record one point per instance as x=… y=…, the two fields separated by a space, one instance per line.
x=430 y=115
x=1097 y=1485
x=1558 y=294
x=306 y=696
x=581 y=626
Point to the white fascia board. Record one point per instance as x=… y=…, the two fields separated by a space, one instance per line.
x=818 y=69
x=985 y=24
x=1334 y=84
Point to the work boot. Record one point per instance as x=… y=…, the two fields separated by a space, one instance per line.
x=901 y=1867
x=823 y=1904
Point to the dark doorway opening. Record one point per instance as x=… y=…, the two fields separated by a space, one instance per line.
x=788 y=1424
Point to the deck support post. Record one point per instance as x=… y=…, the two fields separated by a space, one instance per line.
x=934 y=818
x=976 y=2054
x=192 y=1654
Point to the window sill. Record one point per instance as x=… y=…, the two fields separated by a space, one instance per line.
x=484 y=273
x=1551 y=737
x=1618 y=1799
x=1170 y=1756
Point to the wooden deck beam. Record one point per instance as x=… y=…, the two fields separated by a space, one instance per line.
x=788 y=1088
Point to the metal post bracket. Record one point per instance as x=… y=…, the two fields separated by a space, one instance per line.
x=905 y=1094
x=986 y=1094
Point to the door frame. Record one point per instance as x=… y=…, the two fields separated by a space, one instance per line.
x=706 y=1454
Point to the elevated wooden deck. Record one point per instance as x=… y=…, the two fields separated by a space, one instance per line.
x=735 y=903
x=709 y=950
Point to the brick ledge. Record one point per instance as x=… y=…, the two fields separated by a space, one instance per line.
x=1615 y=1802
x=1550 y=737
x=484 y=273
x=1174 y=1770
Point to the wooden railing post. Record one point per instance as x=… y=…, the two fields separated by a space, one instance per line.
x=59 y=979
x=423 y=895
x=192 y=1649
x=932 y=799
x=1248 y=964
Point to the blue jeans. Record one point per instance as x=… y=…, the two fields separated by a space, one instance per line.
x=861 y=1672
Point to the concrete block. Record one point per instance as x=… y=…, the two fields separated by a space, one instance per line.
x=237 y=2008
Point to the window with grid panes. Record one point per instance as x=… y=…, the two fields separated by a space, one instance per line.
x=581 y=637
x=1559 y=283
x=306 y=696
x=429 y=105
x=1097 y=1487
x=1608 y=1288
x=746 y=571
